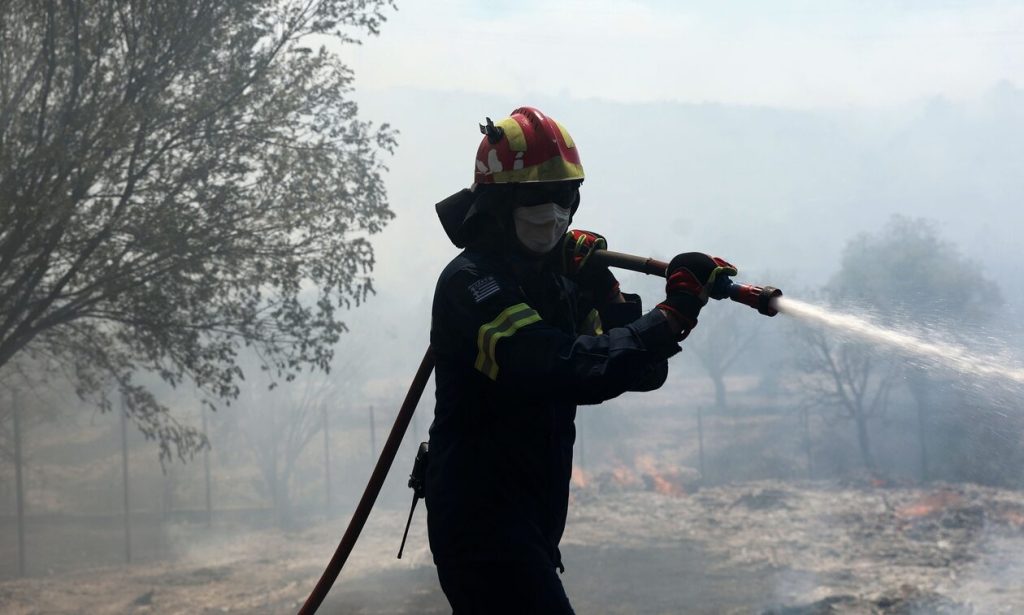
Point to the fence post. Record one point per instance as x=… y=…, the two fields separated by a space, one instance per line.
x=124 y=474
x=327 y=464
x=206 y=472
x=19 y=484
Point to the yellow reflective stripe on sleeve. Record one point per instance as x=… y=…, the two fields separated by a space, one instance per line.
x=506 y=324
x=592 y=323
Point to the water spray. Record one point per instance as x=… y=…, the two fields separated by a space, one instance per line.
x=949 y=355
x=769 y=301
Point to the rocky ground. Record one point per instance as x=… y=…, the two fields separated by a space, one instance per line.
x=763 y=547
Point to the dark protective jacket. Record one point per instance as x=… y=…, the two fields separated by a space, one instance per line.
x=517 y=349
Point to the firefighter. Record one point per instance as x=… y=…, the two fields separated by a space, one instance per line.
x=524 y=328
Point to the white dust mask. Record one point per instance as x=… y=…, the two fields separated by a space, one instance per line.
x=540 y=227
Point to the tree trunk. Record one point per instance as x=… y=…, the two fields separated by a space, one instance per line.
x=273 y=479
x=282 y=515
x=864 y=443
x=206 y=473
x=283 y=504
x=719 y=380
x=919 y=390
x=19 y=485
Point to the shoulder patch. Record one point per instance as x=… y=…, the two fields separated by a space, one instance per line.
x=483 y=288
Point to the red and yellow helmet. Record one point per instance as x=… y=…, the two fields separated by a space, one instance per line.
x=528 y=146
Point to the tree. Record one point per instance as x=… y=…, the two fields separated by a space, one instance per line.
x=851 y=378
x=724 y=336
x=276 y=428
x=178 y=181
x=904 y=273
x=908 y=272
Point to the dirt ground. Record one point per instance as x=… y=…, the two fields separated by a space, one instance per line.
x=764 y=547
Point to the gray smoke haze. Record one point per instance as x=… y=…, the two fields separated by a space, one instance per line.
x=774 y=191
x=768 y=135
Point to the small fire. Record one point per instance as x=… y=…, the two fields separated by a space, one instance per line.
x=579 y=478
x=624 y=477
x=930 y=504
x=644 y=474
x=665 y=482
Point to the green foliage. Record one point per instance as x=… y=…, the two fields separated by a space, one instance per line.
x=905 y=273
x=179 y=180
x=907 y=269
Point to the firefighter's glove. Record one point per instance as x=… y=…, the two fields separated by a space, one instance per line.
x=598 y=281
x=690 y=281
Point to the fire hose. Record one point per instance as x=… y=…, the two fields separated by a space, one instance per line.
x=761 y=298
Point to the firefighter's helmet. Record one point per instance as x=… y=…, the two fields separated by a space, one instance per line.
x=528 y=146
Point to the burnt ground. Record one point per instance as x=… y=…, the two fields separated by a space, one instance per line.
x=265 y=573
x=764 y=547
x=678 y=577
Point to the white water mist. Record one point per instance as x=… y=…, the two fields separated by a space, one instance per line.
x=945 y=354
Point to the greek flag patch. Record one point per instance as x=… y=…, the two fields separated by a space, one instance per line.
x=483 y=288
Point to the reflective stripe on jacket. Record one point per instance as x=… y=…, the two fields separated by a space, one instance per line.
x=516 y=351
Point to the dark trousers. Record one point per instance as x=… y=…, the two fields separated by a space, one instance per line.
x=503 y=588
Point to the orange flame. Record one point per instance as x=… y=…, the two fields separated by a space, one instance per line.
x=646 y=464
x=658 y=480
x=624 y=477
x=930 y=504
x=579 y=478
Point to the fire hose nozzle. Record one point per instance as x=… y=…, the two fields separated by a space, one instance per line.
x=761 y=298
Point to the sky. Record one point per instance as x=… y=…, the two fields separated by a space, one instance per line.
x=788 y=53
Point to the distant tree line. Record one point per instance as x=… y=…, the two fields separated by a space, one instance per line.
x=904 y=276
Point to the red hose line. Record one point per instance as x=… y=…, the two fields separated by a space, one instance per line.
x=373 y=487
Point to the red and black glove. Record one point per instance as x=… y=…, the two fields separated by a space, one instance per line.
x=689 y=281
x=577 y=247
